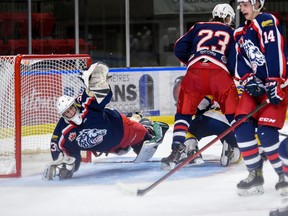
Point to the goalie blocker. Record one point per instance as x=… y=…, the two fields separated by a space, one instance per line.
x=63 y=167
x=87 y=125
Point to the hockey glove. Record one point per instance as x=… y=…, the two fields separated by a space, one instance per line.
x=253 y=85
x=274 y=91
x=96 y=76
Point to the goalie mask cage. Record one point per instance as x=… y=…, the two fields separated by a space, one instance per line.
x=30 y=85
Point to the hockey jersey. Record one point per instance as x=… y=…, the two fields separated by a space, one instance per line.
x=262 y=45
x=207 y=40
x=101 y=130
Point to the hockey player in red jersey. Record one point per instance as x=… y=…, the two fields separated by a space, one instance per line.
x=86 y=125
x=206 y=49
x=261 y=43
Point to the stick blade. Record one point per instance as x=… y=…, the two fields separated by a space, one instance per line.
x=141 y=192
x=128 y=189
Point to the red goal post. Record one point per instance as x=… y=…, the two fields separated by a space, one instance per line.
x=29 y=87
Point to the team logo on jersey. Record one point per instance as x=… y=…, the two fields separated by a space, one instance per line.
x=72 y=136
x=90 y=137
x=267 y=23
x=255 y=56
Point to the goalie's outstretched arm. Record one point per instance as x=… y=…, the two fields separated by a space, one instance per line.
x=95 y=80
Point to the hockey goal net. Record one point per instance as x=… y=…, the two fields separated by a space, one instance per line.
x=30 y=85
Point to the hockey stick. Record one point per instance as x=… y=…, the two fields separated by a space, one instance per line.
x=149 y=161
x=142 y=192
x=283 y=134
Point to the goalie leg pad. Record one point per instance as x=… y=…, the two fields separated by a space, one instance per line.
x=149 y=147
x=147 y=151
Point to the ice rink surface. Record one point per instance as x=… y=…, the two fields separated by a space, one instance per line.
x=202 y=190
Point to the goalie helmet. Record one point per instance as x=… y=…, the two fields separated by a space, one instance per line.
x=253 y=2
x=63 y=104
x=223 y=11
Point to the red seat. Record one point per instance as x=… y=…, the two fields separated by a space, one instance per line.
x=18 y=46
x=60 y=46
x=41 y=46
x=13 y=25
x=4 y=49
x=21 y=25
x=84 y=47
x=7 y=25
x=42 y=24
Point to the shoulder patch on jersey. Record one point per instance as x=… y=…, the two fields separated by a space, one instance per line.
x=267 y=23
x=72 y=136
x=54 y=137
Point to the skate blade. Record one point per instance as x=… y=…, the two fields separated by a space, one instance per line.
x=283 y=191
x=257 y=190
x=197 y=161
x=224 y=161
x=170 y=166
x=281 y=211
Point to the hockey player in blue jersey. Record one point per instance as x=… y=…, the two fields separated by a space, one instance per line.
x=206 y=50
x=87 y=125
x=210 y=121
x=261 y=43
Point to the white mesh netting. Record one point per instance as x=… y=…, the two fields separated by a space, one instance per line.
x=43 y=79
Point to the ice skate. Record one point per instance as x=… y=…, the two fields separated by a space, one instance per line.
x=191 y=149
x=282 y=186
x=174 y=158
x=279 y=211
x=235 y=157
x=198 y=159
x=253 y=184
x=229 y=155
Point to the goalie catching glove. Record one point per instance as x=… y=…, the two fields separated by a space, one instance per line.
x=96 y=76
x=63 y=168
x=95 y=80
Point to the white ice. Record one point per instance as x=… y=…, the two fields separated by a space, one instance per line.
x=201 y=190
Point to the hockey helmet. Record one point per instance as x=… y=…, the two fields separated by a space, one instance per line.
x=222 y=11
x=64 y=103
x=253 y=2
